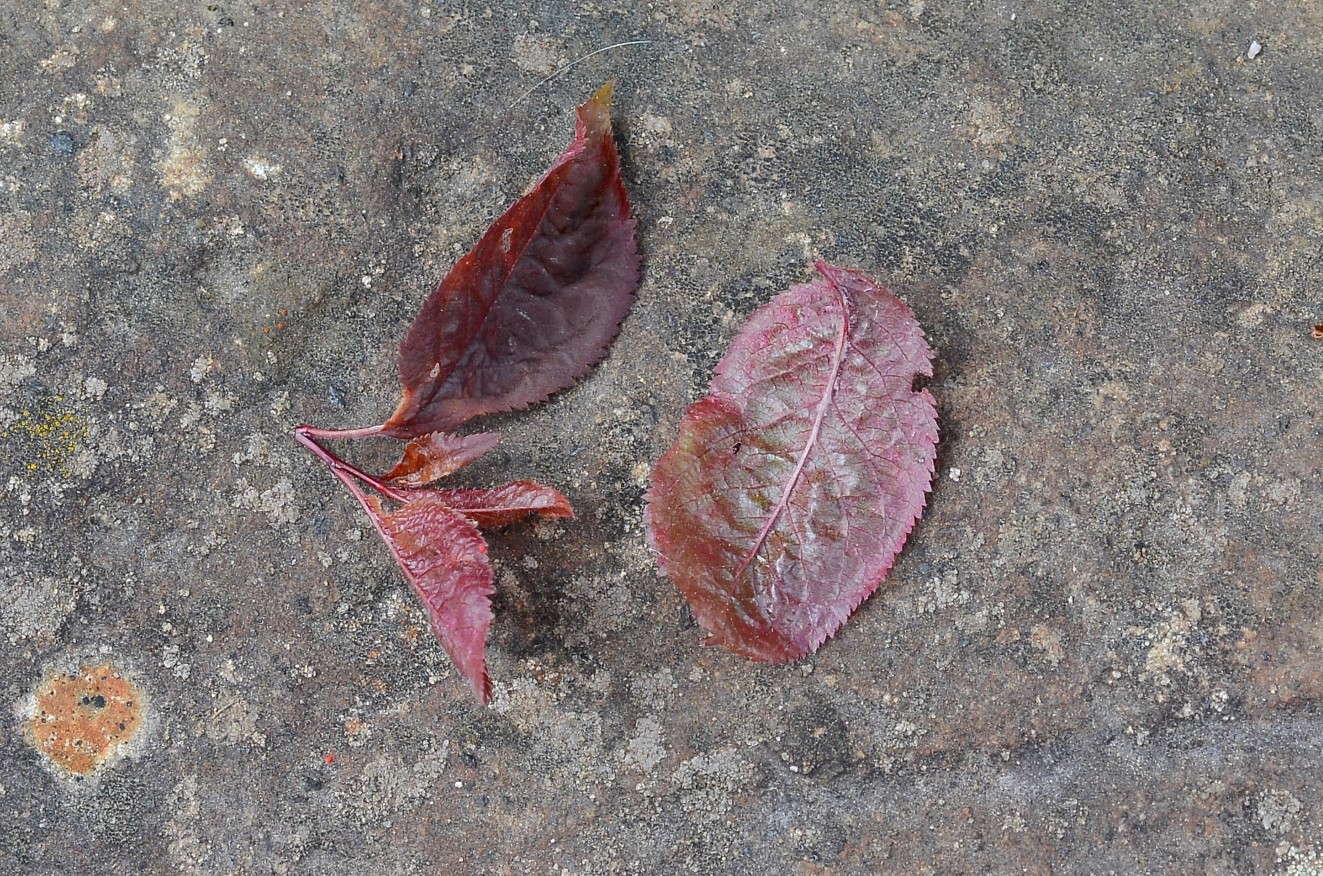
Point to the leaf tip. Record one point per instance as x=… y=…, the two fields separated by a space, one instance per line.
x=830 y=272
x=602 y=97
x=483 y=687
x=595 y=113
x=838 y=276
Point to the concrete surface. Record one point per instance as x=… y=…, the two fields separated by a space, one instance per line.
x=1101 y=651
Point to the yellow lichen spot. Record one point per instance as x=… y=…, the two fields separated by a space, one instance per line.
x=47 y=436
x=80 y=721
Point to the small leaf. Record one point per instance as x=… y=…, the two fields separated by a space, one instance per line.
x=501 y=506
x=536 y=303
x=431 y=457
x=795 y=482
x=445 y=559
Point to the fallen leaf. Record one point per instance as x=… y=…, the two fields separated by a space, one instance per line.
x=527 y=313
x=445 y=559
x=795 y=482
x=536 y=303
x=431 y=457
x=501 y=506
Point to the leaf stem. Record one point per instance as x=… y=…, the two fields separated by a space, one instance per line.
x=374 y=514
x=305 y=435
x=347 y=434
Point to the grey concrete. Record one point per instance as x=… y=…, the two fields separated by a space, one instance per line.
x=1101 y=651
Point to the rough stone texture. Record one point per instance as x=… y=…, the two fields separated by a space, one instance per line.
x=1101 y=652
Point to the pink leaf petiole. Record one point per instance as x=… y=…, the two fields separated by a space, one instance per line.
x=345 y=471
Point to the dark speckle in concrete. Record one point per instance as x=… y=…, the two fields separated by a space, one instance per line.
x=61 y=143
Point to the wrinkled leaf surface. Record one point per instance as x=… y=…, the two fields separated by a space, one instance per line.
x=536 y=303
x=434 y=537
x=795 y=482
x=501 y=506
x=431 y=457
x=445 y=559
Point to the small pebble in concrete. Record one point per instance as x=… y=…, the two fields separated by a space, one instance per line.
x=61 y=143
x=1254 y=50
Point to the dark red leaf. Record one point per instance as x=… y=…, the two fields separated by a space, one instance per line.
x=501 y=506
x=525 y=314
x=445 y=559
x=431 y=457
x=536 y=303
x=795 y=482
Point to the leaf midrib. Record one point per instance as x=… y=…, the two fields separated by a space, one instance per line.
x=838 y=356
x=439 y=381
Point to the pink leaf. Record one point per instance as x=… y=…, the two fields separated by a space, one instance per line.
x=445 y=559
x=795 y=482
x=501 y=506
x=536 y=303
x=431 y=457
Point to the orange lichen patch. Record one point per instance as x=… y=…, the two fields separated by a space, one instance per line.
x=79 y=721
